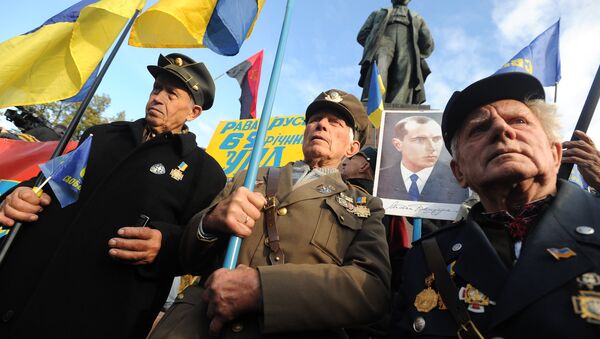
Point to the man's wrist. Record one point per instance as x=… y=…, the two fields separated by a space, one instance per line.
x=202 y=235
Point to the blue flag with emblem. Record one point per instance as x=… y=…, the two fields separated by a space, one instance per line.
x=66 y=173
x=541 y=58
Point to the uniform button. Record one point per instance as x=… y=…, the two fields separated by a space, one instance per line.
x=341 y=217
x=180 y=296
x=237 y=327
x=282 y=211
x=266 y=241
x=419 y=324
x=456 y=247
x=7 y=315
x=584 y=230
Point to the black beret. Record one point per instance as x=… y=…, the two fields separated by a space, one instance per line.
x=194 y=76
x=511 y=85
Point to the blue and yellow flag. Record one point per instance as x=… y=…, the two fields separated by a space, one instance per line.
x=541 y=58
x=376 y=93
x=220 y=25
x=53 y=61
x=66 y=173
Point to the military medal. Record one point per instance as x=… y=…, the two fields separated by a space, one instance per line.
x=177 y=173
x=474 y=298
x=587 y=305
x=427 y=299
x=590 y=280
x=158 y=169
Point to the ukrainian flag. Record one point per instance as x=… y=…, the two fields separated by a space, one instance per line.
x=53 y=61
x=220 y=25
x=376 y=93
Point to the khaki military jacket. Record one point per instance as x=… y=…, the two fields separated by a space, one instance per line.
x=337 y=271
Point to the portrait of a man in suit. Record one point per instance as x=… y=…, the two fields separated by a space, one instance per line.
x=418 y=175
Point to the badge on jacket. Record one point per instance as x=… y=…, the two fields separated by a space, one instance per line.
x=587 y=305
x=177 y=173
x=158 y=169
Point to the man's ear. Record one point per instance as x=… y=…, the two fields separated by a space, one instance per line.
x=353 y=148
x=557 y=154
x=194 y=113
x=397 y=144
x=458 y=174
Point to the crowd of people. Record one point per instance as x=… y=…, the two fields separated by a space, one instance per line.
x=319 y=259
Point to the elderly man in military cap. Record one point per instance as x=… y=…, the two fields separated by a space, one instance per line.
x=90 y=270
x=526 y=261
x=314 y=259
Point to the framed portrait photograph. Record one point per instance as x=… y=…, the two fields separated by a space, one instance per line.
x=413 y=177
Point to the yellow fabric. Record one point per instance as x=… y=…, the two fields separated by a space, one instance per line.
x=375 y=116
x=54 y=62
x=176 y=24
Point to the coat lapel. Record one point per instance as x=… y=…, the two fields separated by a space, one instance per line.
x=478 y=262
x=537 y=272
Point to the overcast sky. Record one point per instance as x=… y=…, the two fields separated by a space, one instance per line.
x=472 y=40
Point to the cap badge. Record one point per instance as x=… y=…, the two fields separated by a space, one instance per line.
x=179 y=62
x=333 y=96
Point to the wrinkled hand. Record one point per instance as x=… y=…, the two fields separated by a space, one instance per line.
x=230 y=293
x=583 y=152
x=236 y=214
x=136 y=245
x=22 y=205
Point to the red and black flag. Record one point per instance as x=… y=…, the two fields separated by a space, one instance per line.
x=247 y=74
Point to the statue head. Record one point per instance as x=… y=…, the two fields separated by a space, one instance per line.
x=400 y=2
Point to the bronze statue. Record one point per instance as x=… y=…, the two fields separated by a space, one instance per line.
x=399 y=41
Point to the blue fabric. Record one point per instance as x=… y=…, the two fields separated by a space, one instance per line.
x=68 y=15
x=67 y=172
x=413 y=191
x=540 y=58
x=229 y=25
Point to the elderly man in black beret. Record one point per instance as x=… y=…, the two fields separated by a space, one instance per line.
x=90 y=270
x=526 y=261
x=314 y=259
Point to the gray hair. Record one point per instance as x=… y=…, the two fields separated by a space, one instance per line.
x=546 y=114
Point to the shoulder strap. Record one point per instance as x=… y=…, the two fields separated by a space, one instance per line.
x=276 y=255
x=448 y=291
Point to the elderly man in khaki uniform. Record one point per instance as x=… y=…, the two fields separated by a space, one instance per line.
x=326 y=267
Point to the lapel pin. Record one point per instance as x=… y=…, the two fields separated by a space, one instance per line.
x=561 y=253
x=158 y=169
x=325 y=189
x=584 y=230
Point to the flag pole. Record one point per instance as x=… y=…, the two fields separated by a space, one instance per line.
x=64 y=140
x=584 y=120
x=555 y=92
x=233 y=249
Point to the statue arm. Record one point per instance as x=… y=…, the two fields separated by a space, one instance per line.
x=425 y=40
x=365 y=30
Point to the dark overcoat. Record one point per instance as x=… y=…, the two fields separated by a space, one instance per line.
x=58 y=280
x=537 y=298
